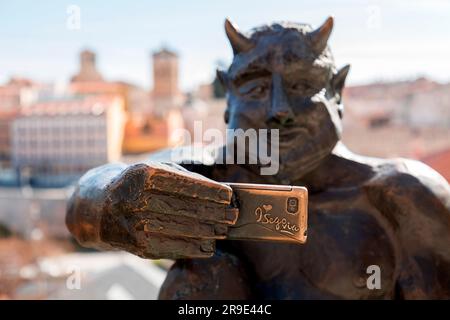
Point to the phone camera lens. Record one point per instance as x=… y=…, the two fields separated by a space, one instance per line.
x=292 y=205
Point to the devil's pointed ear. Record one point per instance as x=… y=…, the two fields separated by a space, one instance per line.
x=338 y=80
x=223 y=77
x=319 y=37
x=239 y=42
x=226 y=116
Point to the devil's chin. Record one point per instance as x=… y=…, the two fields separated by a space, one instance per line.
x=297 y=161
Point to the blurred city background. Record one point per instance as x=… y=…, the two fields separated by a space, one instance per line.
x=83 y=84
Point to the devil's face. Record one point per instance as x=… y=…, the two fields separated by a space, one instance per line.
x=281 y=83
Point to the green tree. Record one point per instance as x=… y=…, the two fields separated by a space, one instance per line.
x=4 y=231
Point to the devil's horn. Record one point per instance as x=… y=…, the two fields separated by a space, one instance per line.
x=239 y=42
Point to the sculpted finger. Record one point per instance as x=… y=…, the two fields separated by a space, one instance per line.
x=168 y=247
x=179 y=226
x=168 y=179
x=188 y=207
x=231 y=215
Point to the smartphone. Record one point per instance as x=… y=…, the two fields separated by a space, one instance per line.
x=270 y=213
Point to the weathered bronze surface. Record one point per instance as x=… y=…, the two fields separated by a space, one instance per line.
x=394 y=214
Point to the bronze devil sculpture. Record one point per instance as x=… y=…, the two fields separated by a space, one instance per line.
x=393 y=214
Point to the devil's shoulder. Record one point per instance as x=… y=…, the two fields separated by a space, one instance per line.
x=409 y=192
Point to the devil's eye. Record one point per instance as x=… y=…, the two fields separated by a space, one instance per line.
x=300 y=86
x=257 y=90
x=253 y=90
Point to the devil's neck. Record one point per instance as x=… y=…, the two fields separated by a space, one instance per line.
x=340 y=168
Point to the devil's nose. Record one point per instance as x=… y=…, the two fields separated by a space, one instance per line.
x=284 y=117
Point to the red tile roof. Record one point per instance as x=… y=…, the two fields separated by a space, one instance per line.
x=86 y=105
x=440 y=162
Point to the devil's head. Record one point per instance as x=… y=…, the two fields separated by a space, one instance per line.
x=283 y=77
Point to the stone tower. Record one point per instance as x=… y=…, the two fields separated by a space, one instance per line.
x=88 y=70
x=166 y=93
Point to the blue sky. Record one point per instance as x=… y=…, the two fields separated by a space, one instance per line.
x=383 y=40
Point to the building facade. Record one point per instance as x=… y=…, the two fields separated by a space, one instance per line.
x=20 y=93
x=6 y=120
x=57 y=140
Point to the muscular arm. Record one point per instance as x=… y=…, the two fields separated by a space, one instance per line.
x=116 y=206
x=416 y=202
x=154 y=210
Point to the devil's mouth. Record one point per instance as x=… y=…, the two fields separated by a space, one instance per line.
x=287 y=135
